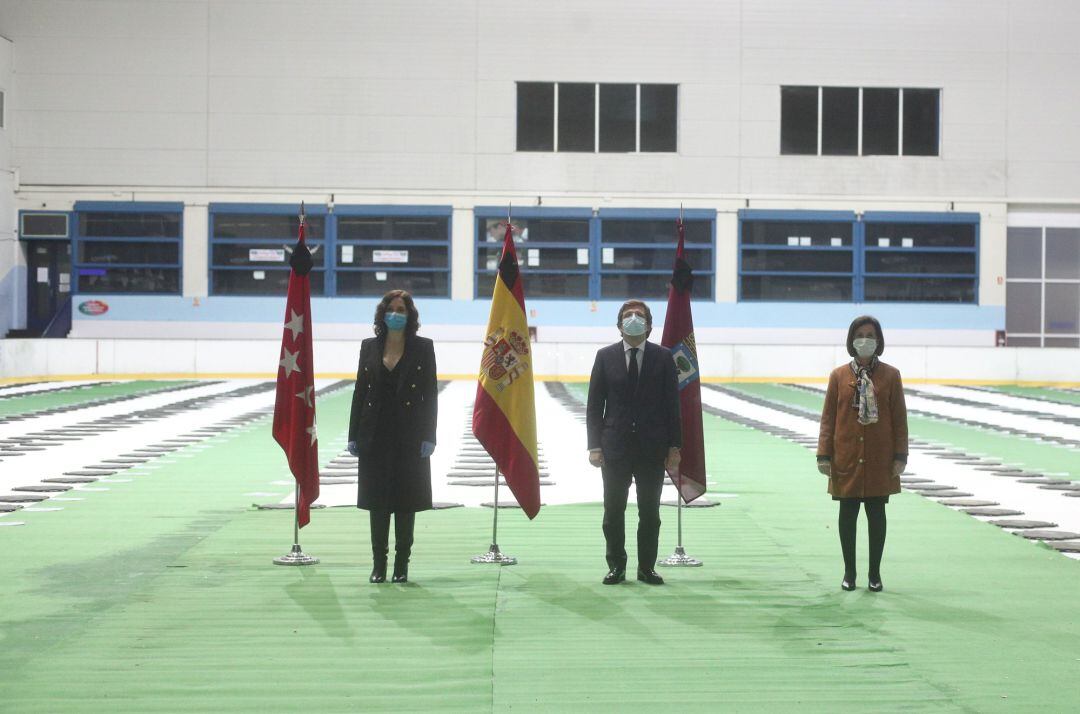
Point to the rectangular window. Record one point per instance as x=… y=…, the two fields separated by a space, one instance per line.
x=535 y=116
x=43 y=225
x=880 y=122
x=618 y=117
x=553 y=251
x=379 y=249
x=840 y=121
x=589 y=117
x=577 y=117
x=250 y=248
x=127 y=247
x=812 y=256
x=659 y=117
x=849 y=115
x=798 y=120
x=1042 y=289
x=637 y=252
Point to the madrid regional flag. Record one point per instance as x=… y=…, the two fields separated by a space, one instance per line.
x=504 y=415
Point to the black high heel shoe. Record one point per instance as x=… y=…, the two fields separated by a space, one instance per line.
x=401 y=572
x=378 y=573
x=874 y=585
x=848 y=583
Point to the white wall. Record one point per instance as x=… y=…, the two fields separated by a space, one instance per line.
x=11 y=272
x=24 y=358
x=419 y=95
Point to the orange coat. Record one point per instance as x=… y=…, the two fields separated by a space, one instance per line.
x=862 y=456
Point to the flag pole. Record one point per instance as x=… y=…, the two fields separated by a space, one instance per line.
x=494 y=555
x=296 y=556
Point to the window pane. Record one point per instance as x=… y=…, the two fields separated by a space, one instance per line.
x=1023 y=308
x=1024 y=253
x=577 y=117
x=619 y=230
x=382 y=228
x=921 y=122
x=124 y=252
x=433 y=284
x=129 y=225
x=915 y=262
x=547 y=285
x=530 y=257
x=1062 y=308
x=129 y=280
x=659 y=117
x=1063 y=253
x=922 y=235
x=881 y=116
x=258 y=254
x=548 y=230
x=792 y=288
x=535 y=116
x=363 y=256
x=656 y=259
x=283 y=227
x=45 y=225
x=920 y=290
x=840 y=121
x=618 y=117
x=798 y=120
x=655 y=286
x=1011 y=341
x=249 y=282
x=819 y=233
x=798 y=261
x=1062 y=342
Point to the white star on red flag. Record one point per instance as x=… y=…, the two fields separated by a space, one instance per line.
x=295 y=324
x=289 y=361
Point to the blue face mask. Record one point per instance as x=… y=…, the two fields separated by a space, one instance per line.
x=395 y=321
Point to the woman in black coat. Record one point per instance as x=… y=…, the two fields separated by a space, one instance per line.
x=392 y=429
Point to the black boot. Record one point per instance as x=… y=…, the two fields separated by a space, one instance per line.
x=404 y=522
x=380 y=535
x=378 y=572
x=401 y=570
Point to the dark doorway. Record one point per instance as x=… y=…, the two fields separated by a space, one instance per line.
x=48 y=287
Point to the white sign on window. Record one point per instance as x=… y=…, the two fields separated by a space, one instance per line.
x=805 y=240
x=836 y=242
x=266 y=255
x=883 y=242
x=607 y=256
x=907 y=242
x=258 y=275
x=346 y=254
x=534 y=257
x=389 y=256
x=43 y=275
x=380 y=276
x=582 y=256
x=793 y=240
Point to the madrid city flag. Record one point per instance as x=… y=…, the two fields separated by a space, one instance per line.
x=294 y=407
x=504 y=414
x=679 y=338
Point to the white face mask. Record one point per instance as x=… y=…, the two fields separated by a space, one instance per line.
x=633 y=325
x=864 y=346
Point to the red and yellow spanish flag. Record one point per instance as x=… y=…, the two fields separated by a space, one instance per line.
x=504 y=415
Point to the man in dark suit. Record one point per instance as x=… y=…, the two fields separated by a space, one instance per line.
x=634 y=434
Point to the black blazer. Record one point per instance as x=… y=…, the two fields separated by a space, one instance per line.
x=416 y=396
x=611 y=412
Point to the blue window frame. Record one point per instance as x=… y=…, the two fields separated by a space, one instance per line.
x=576 y=254
x=250 y=243
x=838 y=256
x=555 y=248
x=127 y=247
x=380 y=248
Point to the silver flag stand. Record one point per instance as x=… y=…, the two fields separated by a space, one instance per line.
x=494 y=555
x=679 y=558
x=296 y=556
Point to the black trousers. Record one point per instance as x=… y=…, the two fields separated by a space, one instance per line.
x=647 y=473
x=404 y=522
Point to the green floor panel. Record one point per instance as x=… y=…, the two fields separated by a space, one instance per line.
x=1018 y=451
x=1061 y=396
x=40 y=401
x=159 y=596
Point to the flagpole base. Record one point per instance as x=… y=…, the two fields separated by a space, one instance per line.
x=680 y=559
x=494 y=556
x=296 y=556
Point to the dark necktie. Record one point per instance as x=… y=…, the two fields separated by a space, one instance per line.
x=632 y=373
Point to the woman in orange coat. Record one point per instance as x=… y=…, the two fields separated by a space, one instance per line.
x=863 y=443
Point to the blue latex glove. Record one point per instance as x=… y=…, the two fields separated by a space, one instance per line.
x=352 y=448
x=427 y=448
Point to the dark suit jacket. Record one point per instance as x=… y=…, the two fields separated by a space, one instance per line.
x=611 y=412
x=398 y=481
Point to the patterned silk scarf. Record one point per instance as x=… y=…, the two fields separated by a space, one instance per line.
x=865 y=398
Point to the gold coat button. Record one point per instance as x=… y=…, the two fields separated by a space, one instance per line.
x=860 y=461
